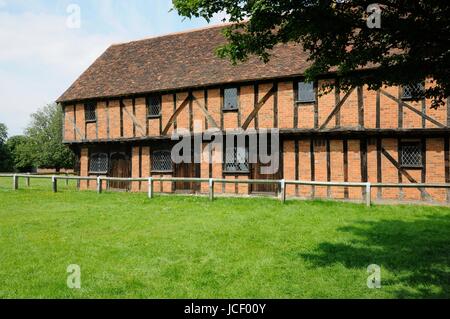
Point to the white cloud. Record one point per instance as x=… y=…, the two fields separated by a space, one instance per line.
x=39 y=59
x=46 y=39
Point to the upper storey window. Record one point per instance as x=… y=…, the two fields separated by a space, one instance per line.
x=154 y=106
x=413 y=91
x=230 y=99
x=306 y=92
x=90 y=114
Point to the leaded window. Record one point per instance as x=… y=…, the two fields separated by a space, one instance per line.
x=236 y=160
x=162 y=161
x=306 y=92
x=98 y=163
x=154 y=106
x=230 y=99
x=413 y=91
x=411 y=154
x=90 y=114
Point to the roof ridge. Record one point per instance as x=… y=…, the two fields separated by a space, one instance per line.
x=193 y=30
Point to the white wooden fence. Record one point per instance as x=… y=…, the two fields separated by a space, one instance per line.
x=211 y=181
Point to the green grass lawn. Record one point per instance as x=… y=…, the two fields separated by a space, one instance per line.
x=187 y=247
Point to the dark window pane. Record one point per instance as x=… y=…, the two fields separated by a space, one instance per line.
x=89 y=111
x=99 y=163
x=306 y=92
x=411 y=155
x=413 y=91
x=230 y=97
x=162 y=161
x=154 y=105
x=236 y=160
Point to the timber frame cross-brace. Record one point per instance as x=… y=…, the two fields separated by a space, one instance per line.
x=208 y=116
x=190 y=98
x=409 y=107
x=402 y=171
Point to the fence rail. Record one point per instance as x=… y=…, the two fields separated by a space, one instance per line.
x=211 y=181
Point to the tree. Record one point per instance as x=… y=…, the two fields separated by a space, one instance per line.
x=45 y=145
x=5 y=158
x=21 y=153
x=411 y=43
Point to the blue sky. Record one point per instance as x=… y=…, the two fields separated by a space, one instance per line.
x=40 y=56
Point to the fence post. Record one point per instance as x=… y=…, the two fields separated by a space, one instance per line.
x=54 y=184
x=15 y=182
x=283 y=190
x=28 y=180
x=368 y=194
x=211 y=189
x=150 y=187
x=99 y=185
x=67 y=180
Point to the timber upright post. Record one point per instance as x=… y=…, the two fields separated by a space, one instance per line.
x=150 y=187
x=28 y=180
x=211 y=189
x=99 y=185
x=283 y=190
x=54 y=184
x=368 y=194
x=15 y=182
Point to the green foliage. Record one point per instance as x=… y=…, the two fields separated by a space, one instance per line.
x=44 y=135
x=21 y=153
x=5 y=156
x=187 y=247
x=411 y=45
x=3 y=133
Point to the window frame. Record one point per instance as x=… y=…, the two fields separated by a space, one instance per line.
x=88 y=105
x=297 y=95
x=419 y=145
x=236 y=172
x=224 y=108
x=153 y=162
x=91 y=156
x=412 y=97
x=147 y=106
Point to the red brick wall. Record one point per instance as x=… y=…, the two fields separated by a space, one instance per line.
x=141 y=116
x=69 y=131
x=102 y=120
x=167 y=106
x=285 y=105
x=266 y=113
x=389 y=110
x=337 y=167
x=435 y=167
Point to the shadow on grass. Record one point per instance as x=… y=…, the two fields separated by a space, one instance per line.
x=417 y=253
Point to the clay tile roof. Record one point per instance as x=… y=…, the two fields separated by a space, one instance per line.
x=176 y=61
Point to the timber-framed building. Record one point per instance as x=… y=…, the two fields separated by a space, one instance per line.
x=120 y=113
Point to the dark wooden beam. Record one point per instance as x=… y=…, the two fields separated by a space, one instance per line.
x=259 y=105
x=337 y=108
x=403 y=171
x=176 y=113
x=378 y=110
x=409 y=107
x=360 y=106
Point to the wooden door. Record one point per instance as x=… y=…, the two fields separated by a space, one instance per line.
x=120 y=167
x=265 y=188
x=187 y=170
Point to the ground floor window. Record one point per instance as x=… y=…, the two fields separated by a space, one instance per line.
x=162 y=161
x=411 y=154
x=236 y=160
x=98 y=163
